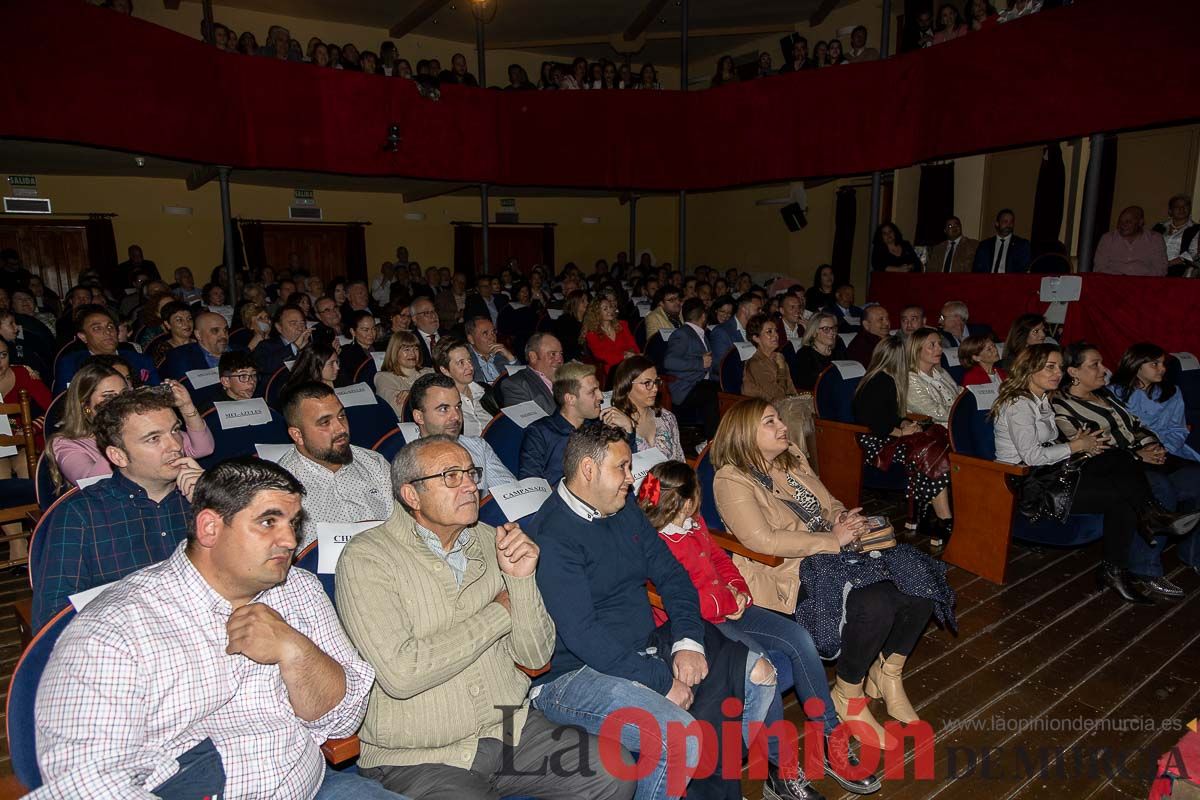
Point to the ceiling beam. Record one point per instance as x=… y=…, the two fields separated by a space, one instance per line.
x=643 y=19
x=742 y=30
x=822 y=12
x=424 y=10
x=435 y=190
x=200 y=176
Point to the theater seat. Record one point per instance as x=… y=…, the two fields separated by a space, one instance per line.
x=505 y=437
x=22 y=691
x=37 y=539
x=47 y=493
x=238 y=442
x=274 y=386
x=369 y=423
x=54 y=413
x=985 y=516
x=705 y=474
x=366 y=371
x=391 y=442
x=733 y=370
x=655 y=349
x=639 y=333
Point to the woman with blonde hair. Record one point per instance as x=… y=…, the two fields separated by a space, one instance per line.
x=931 y=390
x=771 y=500
x=256 y=320
x=401 y=368
x=819 y=347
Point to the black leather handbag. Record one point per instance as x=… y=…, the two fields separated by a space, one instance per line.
x=1047 y=492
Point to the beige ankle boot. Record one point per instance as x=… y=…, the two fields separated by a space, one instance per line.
x=883 y=680
x=847 y=695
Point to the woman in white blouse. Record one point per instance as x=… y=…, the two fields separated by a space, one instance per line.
x=1110 y=481
x=931 y=390
x=401 y=368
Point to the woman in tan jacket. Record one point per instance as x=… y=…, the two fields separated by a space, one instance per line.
x=768 y=377
x=772 y=502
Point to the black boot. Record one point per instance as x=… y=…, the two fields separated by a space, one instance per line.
x=1154 y=520
x=939 y=534
x=1113 y=577
x=867 y=785
x=797 y=788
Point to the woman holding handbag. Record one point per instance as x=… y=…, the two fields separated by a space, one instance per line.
x=1105 y=481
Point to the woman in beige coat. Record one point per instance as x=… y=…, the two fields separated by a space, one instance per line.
x=772 y=502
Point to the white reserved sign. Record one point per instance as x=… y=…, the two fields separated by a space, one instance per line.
x=852 y=321
x=378 y=357
x=345 y=340
x=242 y=413
x=290 y=364
x=358 y=394
x=6 y=430
x=643 y=462
x=513 y=369
x=745 y=349
x=554 y=313
x=83 y=483
x=644 y=311
x=985 y=394
x=522 y=498
x=80 y=600
x=272 y=452
x=200 y=378
x=1187 y=361
x=847 y=338
x=332 y=537
x=409 y=431
x=524 y=413
x=951 y=354
x=666 y=333
x=850 y=369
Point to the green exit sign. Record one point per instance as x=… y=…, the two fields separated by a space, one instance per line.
x=22 y=180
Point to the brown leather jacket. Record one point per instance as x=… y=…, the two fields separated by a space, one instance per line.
x=766 y=379
x=759 y=519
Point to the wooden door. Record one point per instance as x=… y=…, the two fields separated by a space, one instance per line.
x=55 y=250
x=321 y=248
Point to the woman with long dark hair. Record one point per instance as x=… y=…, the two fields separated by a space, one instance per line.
x=636 y=392
x=950 y=25
x=725 y=72
x=1026 y=330
x=820 y=295
x=892 y=252
x=1140 y=382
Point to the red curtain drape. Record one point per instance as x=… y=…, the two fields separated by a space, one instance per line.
x=1054 y=75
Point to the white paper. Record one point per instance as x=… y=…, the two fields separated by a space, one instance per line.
x=358 y=394
x=1056 y=313
x=332 y=537
x=516 y=306
x=644 y=311
x=522 y=498
x=710 y=327
x=847 y=338
x=272 y=452
x=378 y=357
x=554 y=313
x=666 y=333
x=6 y=430
x=200 y=378
x=345 y=340
x=745 y=349
x=850 y=369
x=311 y=324
x=409 y=431
x=852 y=321
x=1000 y=349
x=951 y=354
x=80 y=601
x=242 y=413
x=985 y=394
x=513 y=369
x=1060 y=288
x=1187 y=361
x=643 y=461
x=524 y=413
x=606 y=400
x=83 y=483
x=290 y=364
x=558 y=296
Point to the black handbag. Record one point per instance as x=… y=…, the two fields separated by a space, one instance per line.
x=1047 y=492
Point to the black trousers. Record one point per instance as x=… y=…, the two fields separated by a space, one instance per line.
x=1115 y=485
x=701 y=404
x=879 y=619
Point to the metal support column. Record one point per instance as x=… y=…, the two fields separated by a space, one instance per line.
x=481 y=65
x=210 y=36
x=1091 y=197
x=683 y=87
x=483 y=219
x=633 y=259
x=1073 y=192
x=227 y=222
x=885 y=32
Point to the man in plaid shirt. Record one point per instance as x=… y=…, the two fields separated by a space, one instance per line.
x=128 y=521
x=216 y=673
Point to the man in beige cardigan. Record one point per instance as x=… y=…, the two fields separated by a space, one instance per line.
x=442 y=606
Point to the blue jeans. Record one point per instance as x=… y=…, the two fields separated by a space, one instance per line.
x=763 y=629
x=586 y=698
x=347 y=784
x=1177 y=491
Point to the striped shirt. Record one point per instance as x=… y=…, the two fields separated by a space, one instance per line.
x=1105 y=415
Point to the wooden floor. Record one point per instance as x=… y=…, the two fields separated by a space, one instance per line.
x=1045 y=650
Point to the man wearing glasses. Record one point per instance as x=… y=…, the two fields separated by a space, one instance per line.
x=238 y=374
x=442 y=606
x=425 y=320
x=956 y=254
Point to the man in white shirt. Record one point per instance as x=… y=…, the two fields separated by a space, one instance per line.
x=1181 y=235
x=381 y=287
x=437 y=409
x=343 y=483
x=218 y=672
x=791 y=312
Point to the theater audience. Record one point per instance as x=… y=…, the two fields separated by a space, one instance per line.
x=443 y=605
x=401 y=368
x=425 y=320
x=981 y=14
x=437 y=410
x=977 y=355
x=768 y=377
x=342 y=482
x=836 y=54
x=489 y=357
x=317 y=363
x=954 y=316
x=773 y=503
x=451 y=357
x=1026 y=330
x=352 y=356
x=212 y=340
x=931 y=390
x=290 y=337
x=1179 y=232
x=597 y=552
x=97 y=329
x=128 y=521
x=329 y=317
x=848 y=315
x=636 y=388
x=733 y=330
x=1140 y=383
x=1111 y=483
x=1005 y=252
x=175 y=328
x=1131 y=249
x=911 y=318
x=608 y=339
x=726 y=72
x=951 y=25
x=875 y=327
x=545 y=355
x=78 y=453
x=15 y=379
x=238 y=375
x=220 y=667
x=689 y=360
x=858 y=47
x=451 y=301
x=880 y=403
x=793 y=316
x=819 y=348
x=668 y=304
x=957 y=252
x=891 y=252
x=257 y=321
x=799 y=59
x=1020 y=8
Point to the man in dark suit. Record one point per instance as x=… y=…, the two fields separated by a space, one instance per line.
x=97 y=330
x=875 y=328
x=489 y=357
x=1004 y=253
x=118 y=279
x=733 y=330
x=690 y=360
x=484 y=302
x=849 y=316
x=212 y=341
x=544 y=353
x=956 y=254
x=955 y=327
x=425 y=327
x=290 y=337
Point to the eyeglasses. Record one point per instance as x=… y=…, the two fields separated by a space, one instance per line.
x=243 y=377
x=409 y=348
x=427 y=313
x=827 y=328
x=650 y=384
x=453 y=477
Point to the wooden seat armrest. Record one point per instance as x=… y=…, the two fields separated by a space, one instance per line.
x=652 y=594
x=980 y=464
x=339 y=751
x=726 y=542
x=11 y=788
x=832 y=424
x=533 y=673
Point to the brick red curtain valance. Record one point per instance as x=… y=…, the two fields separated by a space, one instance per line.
x=74 y=73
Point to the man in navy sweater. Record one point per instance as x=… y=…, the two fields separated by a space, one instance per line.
x=597 y=552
